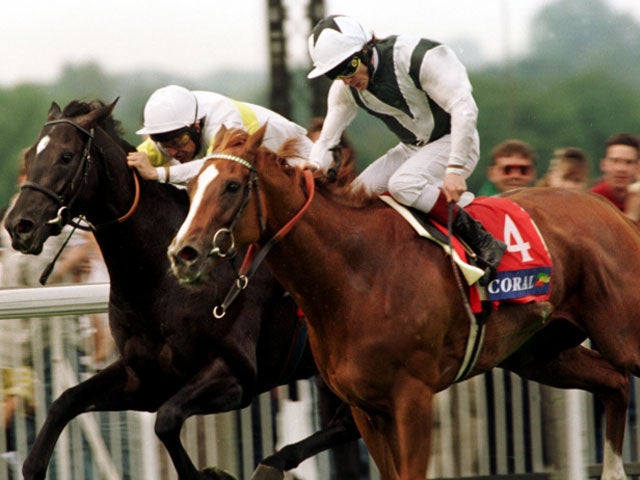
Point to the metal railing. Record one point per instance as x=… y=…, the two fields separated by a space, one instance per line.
x=492 y=426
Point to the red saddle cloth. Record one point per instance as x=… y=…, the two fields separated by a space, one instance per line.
x=524 y=273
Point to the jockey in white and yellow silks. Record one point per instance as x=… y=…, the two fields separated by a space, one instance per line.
x=181 y=126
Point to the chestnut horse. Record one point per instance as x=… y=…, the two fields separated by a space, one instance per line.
x=174 y=357
x=387 y=321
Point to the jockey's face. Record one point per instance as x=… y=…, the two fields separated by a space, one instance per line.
x=183 y=153
x=182 y=147
x=360 y=79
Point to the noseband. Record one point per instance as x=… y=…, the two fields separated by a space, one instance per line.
x=63 y=214
x=62 y=217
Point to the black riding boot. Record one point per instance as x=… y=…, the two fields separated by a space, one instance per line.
x=488 y=249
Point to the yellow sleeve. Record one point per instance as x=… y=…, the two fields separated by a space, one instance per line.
x=249 y=120
x=156 y=158
x=20 y=381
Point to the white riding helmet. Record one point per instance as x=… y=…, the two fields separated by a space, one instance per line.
x=333 y=40
x=170 y=108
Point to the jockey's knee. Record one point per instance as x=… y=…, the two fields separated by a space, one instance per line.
x=405 y=190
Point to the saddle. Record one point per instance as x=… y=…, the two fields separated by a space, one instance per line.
x=524 y=273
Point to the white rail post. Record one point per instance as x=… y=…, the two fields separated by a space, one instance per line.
x=575 y=435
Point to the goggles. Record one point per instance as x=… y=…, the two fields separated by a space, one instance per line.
x=346 y=69
x=177 y=142
x=522 y=169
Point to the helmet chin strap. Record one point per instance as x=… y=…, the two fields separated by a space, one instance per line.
x=366 y=55
x=195 y=135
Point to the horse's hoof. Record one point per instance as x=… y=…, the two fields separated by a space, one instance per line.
x=214 y=473
x=265 y=472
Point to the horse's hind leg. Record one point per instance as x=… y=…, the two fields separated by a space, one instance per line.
x=215 y=390
x=585 y=369
x=341 y=429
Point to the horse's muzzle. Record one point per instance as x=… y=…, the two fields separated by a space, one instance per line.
x=186 y=263
x=25 y=237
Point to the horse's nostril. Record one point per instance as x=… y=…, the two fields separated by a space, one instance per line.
x=24 y=226
x=188 y=254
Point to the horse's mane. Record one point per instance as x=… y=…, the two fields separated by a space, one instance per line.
x=229 y=138
x=349 y=194
x=341 y=190
x=110 y=125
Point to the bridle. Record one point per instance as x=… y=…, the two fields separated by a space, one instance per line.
x=252 y=184
x=254 y=257
x=63 y=216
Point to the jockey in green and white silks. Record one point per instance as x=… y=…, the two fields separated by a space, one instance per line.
x=422 y=92
x=181 y=126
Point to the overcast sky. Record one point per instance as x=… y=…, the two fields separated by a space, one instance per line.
x=194 y=37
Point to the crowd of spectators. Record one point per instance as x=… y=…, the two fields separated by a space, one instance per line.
x=514 y=165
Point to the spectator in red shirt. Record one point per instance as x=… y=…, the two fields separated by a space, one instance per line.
x=620 y=168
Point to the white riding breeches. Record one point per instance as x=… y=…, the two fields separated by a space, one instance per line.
x=413 y=176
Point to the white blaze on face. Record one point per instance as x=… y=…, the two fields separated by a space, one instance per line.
x=42 y=144
x=204 y=180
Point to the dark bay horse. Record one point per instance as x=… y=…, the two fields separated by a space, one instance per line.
x=175 y=358
x=387 y=322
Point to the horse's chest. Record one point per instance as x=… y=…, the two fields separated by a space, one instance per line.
x=354 y=374
x=146 y=357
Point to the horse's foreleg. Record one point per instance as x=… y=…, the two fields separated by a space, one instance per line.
x=375 y=433
x=413 y=411
x=341 y=429
x=399 y=440
x=82 y=398
x=214 y=390
x=585 y=369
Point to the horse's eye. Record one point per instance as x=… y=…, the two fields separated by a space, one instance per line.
x=66 y=157
x=232 y=187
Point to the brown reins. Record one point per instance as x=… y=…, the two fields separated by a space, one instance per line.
x=256 y=255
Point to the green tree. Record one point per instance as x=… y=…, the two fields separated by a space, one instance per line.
x=574 y=35
x=18 y=130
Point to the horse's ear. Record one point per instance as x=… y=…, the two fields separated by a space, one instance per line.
x=113 y=105
x=217 y=141
x=55 y=112
x=97 y=114
x=255 y=140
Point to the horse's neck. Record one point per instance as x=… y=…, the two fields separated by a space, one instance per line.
x=312 y=242
x=137 y=245
x=117 y=186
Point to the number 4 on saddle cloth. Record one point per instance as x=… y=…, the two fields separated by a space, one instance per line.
x=524 y=273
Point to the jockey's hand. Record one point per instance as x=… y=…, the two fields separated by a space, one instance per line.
x=140 y=162
x=307 y=165
x=454 y=186
x=314 y=168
